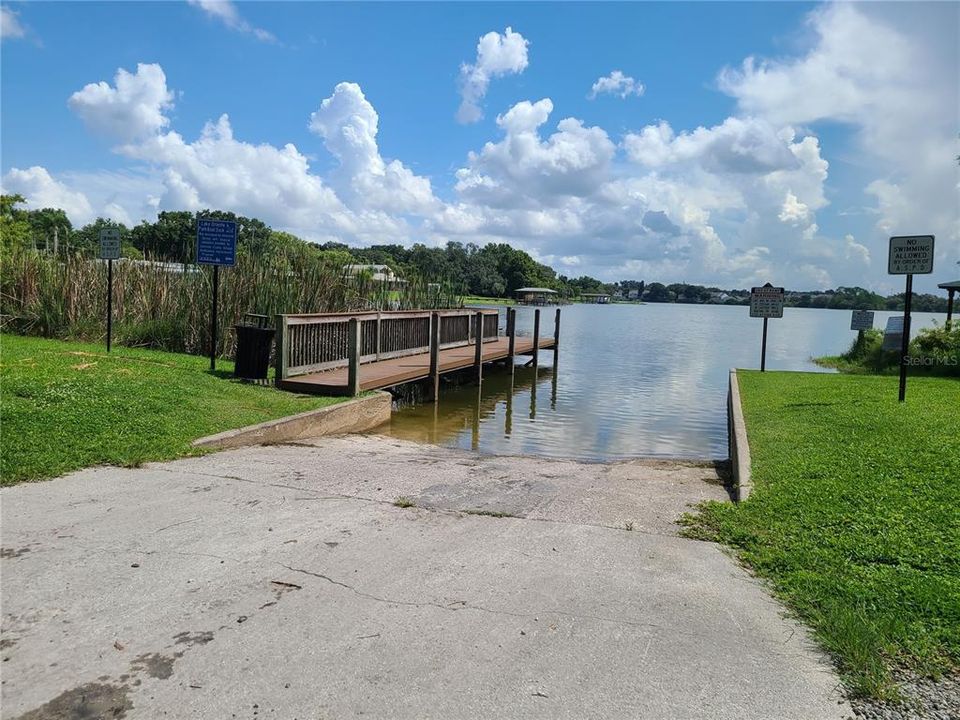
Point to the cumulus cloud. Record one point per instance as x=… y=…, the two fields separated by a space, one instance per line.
x=497 y=55
x=616 y=83
x=856 y=251
x=41 y=190
x=131 y=109
x=273 y=183
x=523 y=169
x=226 y=12
x=348 y=124
x=10 y=27
x=749 y=145
x=736 y=203
x=890 y=74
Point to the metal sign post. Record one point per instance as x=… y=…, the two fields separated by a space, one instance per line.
x=766 y=302
x=216 y=245
x=909 y=255
x=109 y=251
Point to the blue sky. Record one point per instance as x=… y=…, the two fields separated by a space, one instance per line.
x=717 y=172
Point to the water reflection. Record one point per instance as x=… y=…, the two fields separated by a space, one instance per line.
x=462 y=415
x=633 y=380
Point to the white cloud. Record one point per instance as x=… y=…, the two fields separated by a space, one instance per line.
x=523 y=169
x=497 y=55
x=748 y=145
x=10 y=27
x=889 y=72
x=736 y=203
x=856 y=251
x=130 y=110
x=226 y=12
x=41 y=190
x=348 y=124
x=794 y=212
x=616 y=83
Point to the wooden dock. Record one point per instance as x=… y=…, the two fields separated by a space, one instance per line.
x=342 y=354
x=396 y=371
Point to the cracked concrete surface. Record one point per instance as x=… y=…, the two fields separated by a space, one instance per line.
x=283 y=582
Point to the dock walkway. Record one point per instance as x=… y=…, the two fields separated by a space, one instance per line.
x=344 y=354
x=395 y=371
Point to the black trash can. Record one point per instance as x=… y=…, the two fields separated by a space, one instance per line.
x=254 y=340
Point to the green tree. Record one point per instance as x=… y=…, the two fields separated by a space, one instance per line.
x=14 y=228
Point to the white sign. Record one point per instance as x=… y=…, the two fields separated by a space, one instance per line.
x=910 y=255
x=893 y=335
x=110 y=244
x=862 y=320
x=766 y=302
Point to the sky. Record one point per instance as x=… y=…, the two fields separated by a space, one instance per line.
x=727 y=144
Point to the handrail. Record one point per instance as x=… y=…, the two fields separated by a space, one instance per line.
x=321 y=341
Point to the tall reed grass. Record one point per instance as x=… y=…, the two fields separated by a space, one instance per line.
x=167 y=305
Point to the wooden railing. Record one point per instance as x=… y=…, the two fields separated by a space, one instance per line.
x=313 y=343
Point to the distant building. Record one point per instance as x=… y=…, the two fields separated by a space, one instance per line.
x=633 y=295
x=595 y=298
x=536 y=296
x=377 y=273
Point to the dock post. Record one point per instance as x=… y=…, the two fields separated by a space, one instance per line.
x=556 y=332
x=280 y=352
x=536 y=338
x=511 y=335
x=353 y=357
x=478 y=349
x=435 y=355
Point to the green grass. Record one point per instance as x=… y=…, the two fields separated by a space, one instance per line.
x=855 y=516
x=65 y=406
x=480 y=300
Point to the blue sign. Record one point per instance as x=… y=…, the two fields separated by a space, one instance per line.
x=216 y=242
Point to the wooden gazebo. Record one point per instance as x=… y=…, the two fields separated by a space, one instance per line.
x=951 y=288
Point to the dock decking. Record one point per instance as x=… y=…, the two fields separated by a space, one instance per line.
x=387 y=373
x=348 y=353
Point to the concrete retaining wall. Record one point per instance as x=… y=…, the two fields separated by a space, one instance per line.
x=739 y=447
x=355 y=415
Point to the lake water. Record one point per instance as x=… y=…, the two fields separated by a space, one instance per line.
x=631 y=381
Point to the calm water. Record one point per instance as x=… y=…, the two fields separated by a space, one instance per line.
x=632 y=380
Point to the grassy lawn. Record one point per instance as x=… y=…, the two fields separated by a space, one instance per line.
x=855 y=516
x=69 y=405
x=478 y=300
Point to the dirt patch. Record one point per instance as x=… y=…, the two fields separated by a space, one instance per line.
x=87 y=702
x=190 y=639
x=155 y=665
x=11 y=553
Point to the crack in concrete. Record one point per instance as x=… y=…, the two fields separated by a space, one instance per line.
x=461 y=605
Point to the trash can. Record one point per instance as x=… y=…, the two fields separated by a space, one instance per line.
x=254 y=340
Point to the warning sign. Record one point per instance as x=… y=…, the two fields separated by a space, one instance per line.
x=911 y=255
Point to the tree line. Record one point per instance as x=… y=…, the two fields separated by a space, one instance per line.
x=495 y=270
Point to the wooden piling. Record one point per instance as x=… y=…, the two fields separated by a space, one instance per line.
x=511 y=335
x=280 y=351
x=556 y=332
x=435 y=354
x=536 y=337
x=478 y=350
x=353 y=355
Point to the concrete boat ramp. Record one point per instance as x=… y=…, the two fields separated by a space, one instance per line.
x=283 y=582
